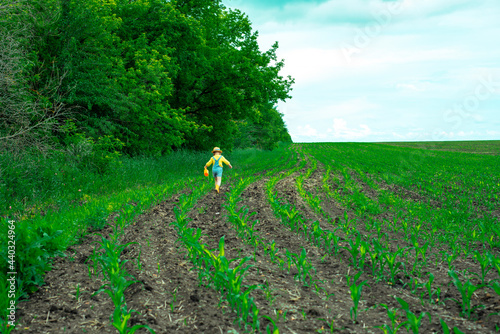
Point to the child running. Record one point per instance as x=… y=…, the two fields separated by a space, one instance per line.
x=217 y=161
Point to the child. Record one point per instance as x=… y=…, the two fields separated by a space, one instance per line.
x=217 y=160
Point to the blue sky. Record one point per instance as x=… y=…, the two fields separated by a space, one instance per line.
x=373 y=70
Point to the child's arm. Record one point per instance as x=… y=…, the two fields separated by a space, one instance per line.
x=210 y=162
x=224 y=160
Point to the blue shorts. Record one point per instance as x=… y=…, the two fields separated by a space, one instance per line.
x=217 y=172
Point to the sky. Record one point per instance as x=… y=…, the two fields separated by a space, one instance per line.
x=374 y=70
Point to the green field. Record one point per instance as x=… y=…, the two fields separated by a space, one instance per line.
x=324 y=237
x=478 y=147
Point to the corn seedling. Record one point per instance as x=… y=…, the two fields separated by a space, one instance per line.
x=446 y=328
x=331 y=242
x=317 y=287
x=355 y=293
x=466 y=290
x=434 y=295
x=394 y=316
x=268 y=292
x=138 y=260
x=174 y=299
x=289 y=259
x=330 y=325
x=353 y=249
x=375 y=259
x=118 y=280
x=484 y=260
x=449 y=258
x=77 y=292
x=275 y=329
x=303 y=266
x=413 y=322
x=422 y=251
x=392 y=263
x=414 y=285
x=496 y=287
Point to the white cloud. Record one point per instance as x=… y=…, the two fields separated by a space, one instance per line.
x=493 y=133
x=477 y=118
x=341 y=130
x=343 y=109
x=306 y=131
x=346 y=12
x=424 y=61
x=465 y=133
x=413 y=87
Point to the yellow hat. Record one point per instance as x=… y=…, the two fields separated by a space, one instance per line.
x=216 y=149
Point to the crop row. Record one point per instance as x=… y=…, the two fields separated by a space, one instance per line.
x=454 y=187
x=48 y=235
x=371 y=245
x=214 y=269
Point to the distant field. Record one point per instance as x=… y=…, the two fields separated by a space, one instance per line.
x=480 y=147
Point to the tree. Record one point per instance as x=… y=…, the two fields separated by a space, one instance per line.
x=265 y=133
x=151 y=74
x=117 y=54
x=227 y=80
x=30 y=107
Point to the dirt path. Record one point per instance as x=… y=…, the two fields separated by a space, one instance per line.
x=285 y=293
x=54 y=309
x=328 y=270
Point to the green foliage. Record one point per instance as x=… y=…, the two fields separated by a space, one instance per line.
x=413 y=321
x=30 y=103
x=96 y=155
x=153 y=74
x=264 y=133
x=231 y=82
x=466 y=290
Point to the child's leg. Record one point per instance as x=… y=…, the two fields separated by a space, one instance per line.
x=217 y=180
x=217 y=183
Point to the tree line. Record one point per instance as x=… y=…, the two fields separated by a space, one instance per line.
x=140 y=77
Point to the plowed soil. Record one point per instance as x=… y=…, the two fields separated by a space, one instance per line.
x=169 y=298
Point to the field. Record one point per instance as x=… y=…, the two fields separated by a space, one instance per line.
x=480 y=146
x=310 y=238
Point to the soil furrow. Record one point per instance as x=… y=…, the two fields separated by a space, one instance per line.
x=381 y=292
x=54 y=307
x=299 y=303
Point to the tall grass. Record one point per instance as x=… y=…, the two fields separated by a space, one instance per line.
x=32 y=183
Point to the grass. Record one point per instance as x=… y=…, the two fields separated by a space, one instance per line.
x=32 y=183
x=479 y=146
